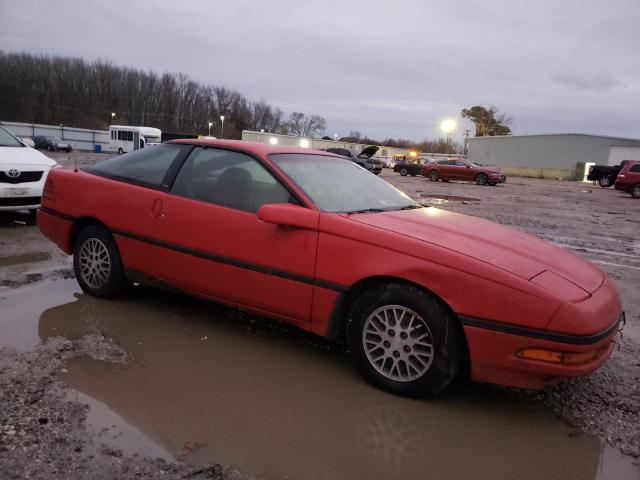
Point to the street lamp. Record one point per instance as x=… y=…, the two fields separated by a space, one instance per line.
x=448 y=126
x=113 y=114
x=210 y=123
x=222 y=127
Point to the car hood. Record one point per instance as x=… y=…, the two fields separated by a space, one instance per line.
x=23 y=156
x=503 y=247
x=368 y=152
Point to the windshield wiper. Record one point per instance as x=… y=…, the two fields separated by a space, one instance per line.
x=367 y=210
x=410 y=207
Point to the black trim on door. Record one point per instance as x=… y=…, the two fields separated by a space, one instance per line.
x=296 y=277
x=541 y=334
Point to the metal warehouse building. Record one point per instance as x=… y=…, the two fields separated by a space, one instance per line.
x=562 y=155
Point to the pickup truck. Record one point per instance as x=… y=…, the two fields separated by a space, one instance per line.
x=605 y=175
x=405 y=167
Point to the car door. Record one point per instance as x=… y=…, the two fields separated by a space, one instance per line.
x=447 y=169
x=214 y=244
x=465 y=170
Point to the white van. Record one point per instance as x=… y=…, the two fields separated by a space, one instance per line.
x=124 y=138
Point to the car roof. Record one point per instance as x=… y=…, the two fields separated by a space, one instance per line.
x=258 y=148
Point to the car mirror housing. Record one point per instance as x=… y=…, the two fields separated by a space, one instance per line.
x=288 y=215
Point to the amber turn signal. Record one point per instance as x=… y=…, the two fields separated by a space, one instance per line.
x=552 y=356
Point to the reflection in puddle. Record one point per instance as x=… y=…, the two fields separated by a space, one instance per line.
x=276 y=402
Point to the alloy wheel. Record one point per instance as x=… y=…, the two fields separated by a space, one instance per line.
x=398 y=343
x=95 y=263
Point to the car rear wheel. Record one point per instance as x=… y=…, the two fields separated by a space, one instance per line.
x=433 y=175
x=635 y=191
x=120 y=151
x=605 y=181
x=97 y=263
x=403 y=172
x=481 y=179
x=404 y=340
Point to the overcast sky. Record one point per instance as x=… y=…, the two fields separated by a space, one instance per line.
x=386 y=68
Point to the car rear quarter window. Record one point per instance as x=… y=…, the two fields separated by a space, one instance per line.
x=229 y=179
x=635 y=168
x=148 y=167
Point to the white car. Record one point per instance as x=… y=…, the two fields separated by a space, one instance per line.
x=23 y=171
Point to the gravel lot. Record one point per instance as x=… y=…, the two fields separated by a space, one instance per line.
x=43 y=434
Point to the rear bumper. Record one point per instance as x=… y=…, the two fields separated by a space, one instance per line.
x=55 y=228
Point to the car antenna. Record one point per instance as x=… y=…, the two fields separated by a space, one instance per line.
x=75 y=163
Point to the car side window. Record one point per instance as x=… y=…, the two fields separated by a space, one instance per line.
x=147 y=167
x=230 y=179
x=460 y=163
x=635 y=168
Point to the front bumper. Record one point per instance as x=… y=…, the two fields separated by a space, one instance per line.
x=588 y=327
x=20 y=196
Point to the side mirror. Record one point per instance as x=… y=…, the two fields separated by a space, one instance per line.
x=28 y=142
x=289 y=215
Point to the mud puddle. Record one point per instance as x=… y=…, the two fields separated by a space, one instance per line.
x=212 y=384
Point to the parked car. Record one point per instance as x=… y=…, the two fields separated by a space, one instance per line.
x=23 y=171
x=629 y=179
x=605 y=175
x=51 y=143
x=312 y=239
x=408 y=167
x=364 y=158
x=463 y=170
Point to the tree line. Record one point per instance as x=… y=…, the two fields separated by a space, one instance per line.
x=71 y=91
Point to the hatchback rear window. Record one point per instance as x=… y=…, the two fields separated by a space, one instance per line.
x=148 y=166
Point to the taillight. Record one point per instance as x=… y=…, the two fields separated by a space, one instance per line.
x=47 y=191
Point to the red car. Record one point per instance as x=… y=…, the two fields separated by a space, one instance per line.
x=462 y=170
x=629 y=179
x=312 y=239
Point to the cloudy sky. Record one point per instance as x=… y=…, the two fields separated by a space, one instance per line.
x=385 y=68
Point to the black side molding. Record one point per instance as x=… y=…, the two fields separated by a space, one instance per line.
x=542 y=334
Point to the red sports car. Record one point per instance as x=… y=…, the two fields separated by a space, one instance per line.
x=313 y=239
x=462 y=170
x=629 y=179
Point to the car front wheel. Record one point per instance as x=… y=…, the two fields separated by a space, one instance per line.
x=97 y=263
x=481 y=179
x=404 y=340
x=635 y=191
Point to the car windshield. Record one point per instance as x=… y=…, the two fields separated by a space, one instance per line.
x=152 y=139
x=8 y=140
x=336 y=185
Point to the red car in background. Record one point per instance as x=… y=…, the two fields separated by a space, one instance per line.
x=462 y=170
x=629 y=179
x=315 y=240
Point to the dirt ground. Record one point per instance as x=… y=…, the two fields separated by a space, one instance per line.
x=156 y=384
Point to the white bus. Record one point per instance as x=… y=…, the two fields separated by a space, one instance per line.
x=124 y=138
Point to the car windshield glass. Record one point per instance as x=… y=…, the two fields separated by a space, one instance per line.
x=337 y=185
x=8 y=140
x=152 y=139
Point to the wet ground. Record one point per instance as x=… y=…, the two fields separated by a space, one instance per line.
x=208 y=384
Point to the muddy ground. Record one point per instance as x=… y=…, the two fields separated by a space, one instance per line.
x=164 y=385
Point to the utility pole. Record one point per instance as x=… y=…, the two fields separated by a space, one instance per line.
x=466 y=139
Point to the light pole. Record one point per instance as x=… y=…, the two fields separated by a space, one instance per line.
x=222 y=127
x=210 y=123
x=448 y=126
x=113 y=114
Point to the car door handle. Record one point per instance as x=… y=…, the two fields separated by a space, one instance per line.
x=156 y=209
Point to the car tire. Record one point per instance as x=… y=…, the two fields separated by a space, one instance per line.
x=120 y=151
x=481 y=179
x=635 y=191
x=97 y=263
x=433 y=175
x=605 y=181
x=403 y=172
x=425 y=341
